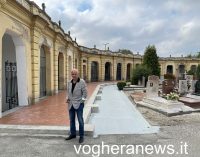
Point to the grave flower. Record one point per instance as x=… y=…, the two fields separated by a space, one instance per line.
x=172 y=96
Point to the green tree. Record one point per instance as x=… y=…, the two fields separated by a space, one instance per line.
x=192 y=71
x=125 y=51
x=150 y=60
x=189 y=56
x=198 y=55
x=139 y=72
x=198 y=72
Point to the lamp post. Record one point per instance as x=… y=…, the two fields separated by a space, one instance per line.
x=105 y=45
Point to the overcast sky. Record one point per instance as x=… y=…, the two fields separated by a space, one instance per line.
x=173 y=26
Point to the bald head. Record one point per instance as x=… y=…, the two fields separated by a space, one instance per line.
x=74 y=71
x=74 y=74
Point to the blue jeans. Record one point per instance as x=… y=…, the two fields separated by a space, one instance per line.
x=79 y=113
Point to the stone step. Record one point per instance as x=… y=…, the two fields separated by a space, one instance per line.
x=48 y=130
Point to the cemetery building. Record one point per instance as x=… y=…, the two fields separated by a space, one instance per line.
x=37 y=56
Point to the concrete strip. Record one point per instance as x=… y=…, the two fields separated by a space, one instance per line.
x=88 y=107
x=95 y=108
x=89 y=104
x=86 y=113
x=98 y=97
x=118 y=115
x=35 y=129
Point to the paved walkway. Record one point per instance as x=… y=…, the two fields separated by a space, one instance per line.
x=117 y=115
x=49 y=111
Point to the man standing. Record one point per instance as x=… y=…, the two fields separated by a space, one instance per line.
x=77 y=94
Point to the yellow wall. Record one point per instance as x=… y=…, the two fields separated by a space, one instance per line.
x=36 y=29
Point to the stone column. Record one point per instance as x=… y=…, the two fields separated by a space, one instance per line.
x=52 y=55
x=1 y=36
x=114 y=68
x=112 y=71
x=50 y=70
x=64 y=70
x=35 y=58
x=102 y=67
x=124 y=71
x=73 y=59
x=55 y=68
x=80 y=65
x=67 y=65
x=88 y=70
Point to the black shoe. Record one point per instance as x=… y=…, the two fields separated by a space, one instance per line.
x=81 y=140
x=70 y=137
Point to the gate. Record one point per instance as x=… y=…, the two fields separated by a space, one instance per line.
x=119 y=69
x=94 y=72
x=107 y=71
x=11 y=84
x=42 y=74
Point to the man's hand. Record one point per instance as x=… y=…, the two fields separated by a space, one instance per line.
x=83 y=100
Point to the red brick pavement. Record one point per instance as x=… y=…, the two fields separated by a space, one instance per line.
x=49 y=111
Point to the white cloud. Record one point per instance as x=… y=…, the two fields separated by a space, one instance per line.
x=172 y=26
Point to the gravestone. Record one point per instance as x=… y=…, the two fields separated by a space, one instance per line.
x=139 y=82
x=152 y=86
x=189 y=79
x=168 y=86
x=192 y=90
x=143 y=81
x=161 y=79
x=183 y=88
x=197 y=87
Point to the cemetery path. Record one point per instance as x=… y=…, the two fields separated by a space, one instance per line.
x=117 y=115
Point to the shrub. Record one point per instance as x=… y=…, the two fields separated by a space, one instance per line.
x=121 y=85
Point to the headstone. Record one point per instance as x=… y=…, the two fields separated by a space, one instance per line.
x=189 y=79
x=143 y=81
x=161 y=79
x=193 y=86
x=197 y=87
x=139 y=82
x=183 y=88
x=152 y=86
x=168 y=86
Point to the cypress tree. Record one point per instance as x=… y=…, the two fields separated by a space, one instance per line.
x=150 y=60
